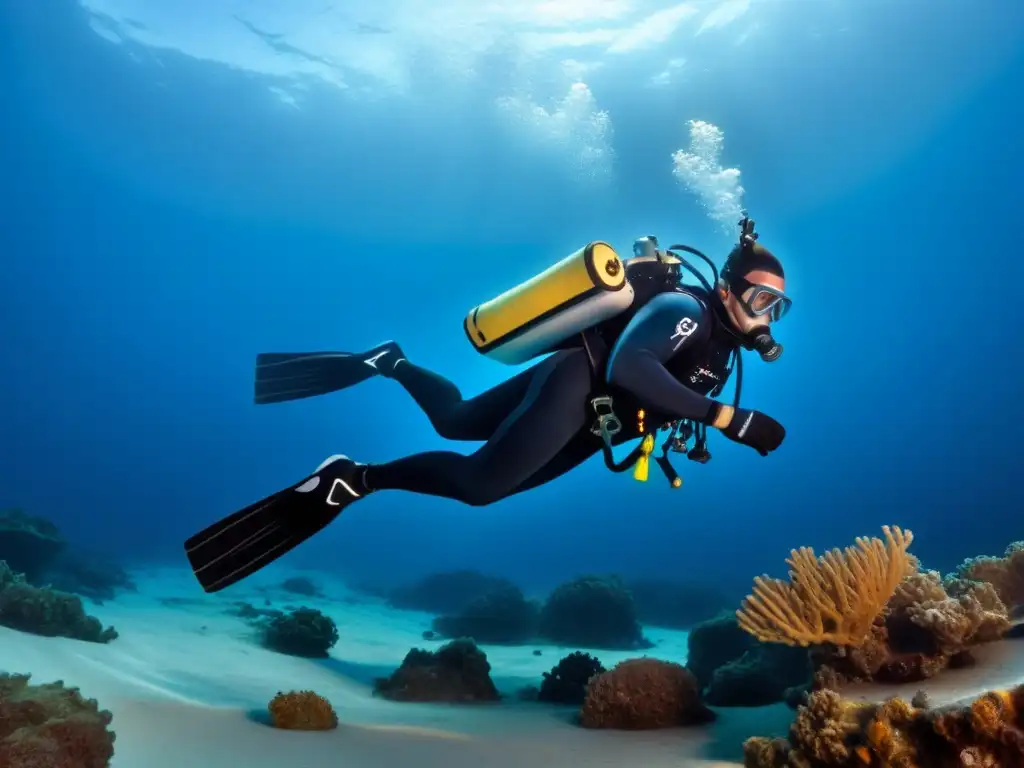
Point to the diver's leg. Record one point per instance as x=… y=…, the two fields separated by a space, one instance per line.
x=453 y=417
x=583 y=446
x=551 y=414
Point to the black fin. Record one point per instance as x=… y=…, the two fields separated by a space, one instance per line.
x=284 y=376
x=252 y=538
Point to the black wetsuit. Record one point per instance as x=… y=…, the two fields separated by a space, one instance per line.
x=537 y=425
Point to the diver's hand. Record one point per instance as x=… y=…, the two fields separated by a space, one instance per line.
x=752 y=428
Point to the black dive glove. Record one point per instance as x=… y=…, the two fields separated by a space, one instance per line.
x=753 y=428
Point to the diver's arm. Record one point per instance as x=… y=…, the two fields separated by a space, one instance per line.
x=664 y=327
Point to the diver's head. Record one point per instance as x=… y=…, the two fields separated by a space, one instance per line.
x=752 y=289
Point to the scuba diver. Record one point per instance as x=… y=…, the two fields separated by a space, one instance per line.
x=622 y=337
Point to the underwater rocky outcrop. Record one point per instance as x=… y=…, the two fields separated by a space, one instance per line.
x=736 y=670
x=503 y=617
x=714 y=643
x=644 y=694
x=763 y=675
x=34 y=547
x=90 y=576
x=46 y=612
x=676 y=605
x=457 y=672
x=446 y=592
x=300 y=585
x=592 y=612
x=28 y=543
x=51 y=726
x=567 y=681
x=832 y=732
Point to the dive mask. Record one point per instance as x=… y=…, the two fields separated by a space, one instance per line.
x=764 y=301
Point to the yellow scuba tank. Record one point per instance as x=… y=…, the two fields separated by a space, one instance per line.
x=583 y=289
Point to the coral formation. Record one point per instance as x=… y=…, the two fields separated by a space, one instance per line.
x=829 y=599
x=567 y=681
x=456 y=672
x=46 y=612
x=831 y=732
x=642 y=694
x=929 y=624
x=28 y=543
x=51 y=726
x=301 y=632
x=1005 y=574
x=503 y=616
x=592 y=612
x=954 y=612
x=447 y=592
x=302 y=711
x=866 y=613
x=675 y=605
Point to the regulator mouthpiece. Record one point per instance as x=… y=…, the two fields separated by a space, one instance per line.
x=767 y=347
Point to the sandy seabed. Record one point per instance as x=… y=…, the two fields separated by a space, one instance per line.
x=188 y=685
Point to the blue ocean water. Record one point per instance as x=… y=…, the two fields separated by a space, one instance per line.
x=186 y=185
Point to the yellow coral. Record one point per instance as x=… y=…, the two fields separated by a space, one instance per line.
x=302 y=711
x=829 y=599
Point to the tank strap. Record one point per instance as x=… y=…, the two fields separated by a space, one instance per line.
x=607 y=424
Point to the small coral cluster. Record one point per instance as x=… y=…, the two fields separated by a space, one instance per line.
x=304 y=632
x=567 y=681
x=302 y=711
x=301 y=632
x=642 y=694
x=832 y=732
x=456 y=672
x=50 y=726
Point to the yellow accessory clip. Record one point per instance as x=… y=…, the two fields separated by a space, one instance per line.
x=643 y=462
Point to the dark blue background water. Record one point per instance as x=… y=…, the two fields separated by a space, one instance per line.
x=163 y=221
